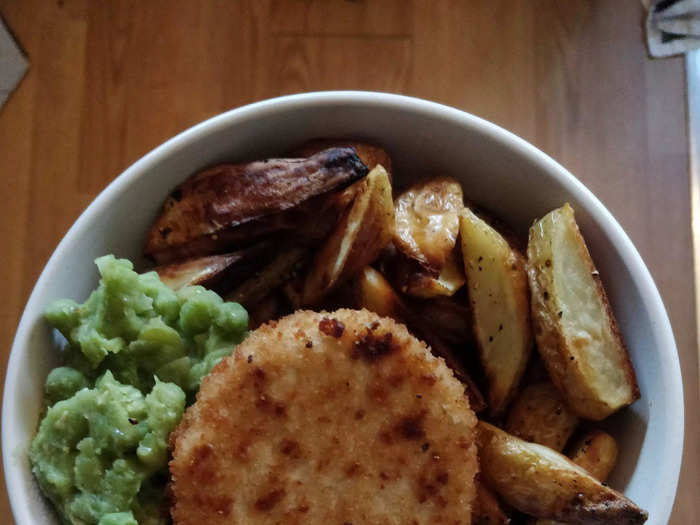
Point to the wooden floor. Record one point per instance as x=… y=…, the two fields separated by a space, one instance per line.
x=111 y=80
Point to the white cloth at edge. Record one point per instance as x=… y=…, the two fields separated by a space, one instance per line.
x=13 y=64
x=673 y=27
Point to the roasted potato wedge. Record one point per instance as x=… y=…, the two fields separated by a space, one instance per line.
x=498 y=294
x=427 y=221
x=545 y=484
x=486 y=509
x=540 y=415
x=373 y=292
x=596 y=451
x=577 y=335
x=356 y=241
x=282 y=268
x=369 y=154
x=216 y=271
x=235 y=203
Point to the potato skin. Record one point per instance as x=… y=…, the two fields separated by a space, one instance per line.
x=371 y=155
x=573 y=362
x=540 y=415
x=233 y=204
x=545 y=484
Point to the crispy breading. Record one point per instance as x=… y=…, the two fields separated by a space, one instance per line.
x=329 y=418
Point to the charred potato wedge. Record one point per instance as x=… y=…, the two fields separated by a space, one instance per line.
x=498 y=294
x=545 y=484
x=216 y=271
x=427 y=221
x=262 y=283
x=540 y=415
x=356 y=241
x=577 y=335
x=235 y=203
x=486 y=509
x=596 y=452
x=370 y=155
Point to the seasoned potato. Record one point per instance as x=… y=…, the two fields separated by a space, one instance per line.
x=498 y=294
x=596 y=452
x=370 y=154
x=486 y=509
x=262 y=283
x=545 y=484
x=231 y=204
x=576 y=332
x=540 y=415
x=214 y=271
x=427 y=221
x=356 y=241
x=373 y=292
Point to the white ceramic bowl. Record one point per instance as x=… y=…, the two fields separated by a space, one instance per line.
x=499 y=171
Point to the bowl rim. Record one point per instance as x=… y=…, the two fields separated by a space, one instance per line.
x=669 y=362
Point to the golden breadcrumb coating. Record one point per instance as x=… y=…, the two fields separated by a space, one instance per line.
x=328 y=418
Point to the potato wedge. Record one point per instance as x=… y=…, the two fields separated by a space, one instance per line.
x=216 y=271
x=498 y=294
x=236 y=203
x=369 y=154
x=373 y=292
x=540 y=415
x=282 y=268
x=486 y=509
x=596 y=452
x=356 y=241
x=577 y=335
x=545 y=484
x=427 y=221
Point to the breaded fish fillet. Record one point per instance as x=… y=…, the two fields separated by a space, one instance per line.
x=328 y=418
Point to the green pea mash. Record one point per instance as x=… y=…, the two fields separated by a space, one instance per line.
x=136 y=354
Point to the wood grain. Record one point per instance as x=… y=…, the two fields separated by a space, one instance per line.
x=111 y=80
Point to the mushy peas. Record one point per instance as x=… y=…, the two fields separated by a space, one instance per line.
x=136 y=354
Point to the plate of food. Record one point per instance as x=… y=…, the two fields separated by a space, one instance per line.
x=344 y=307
